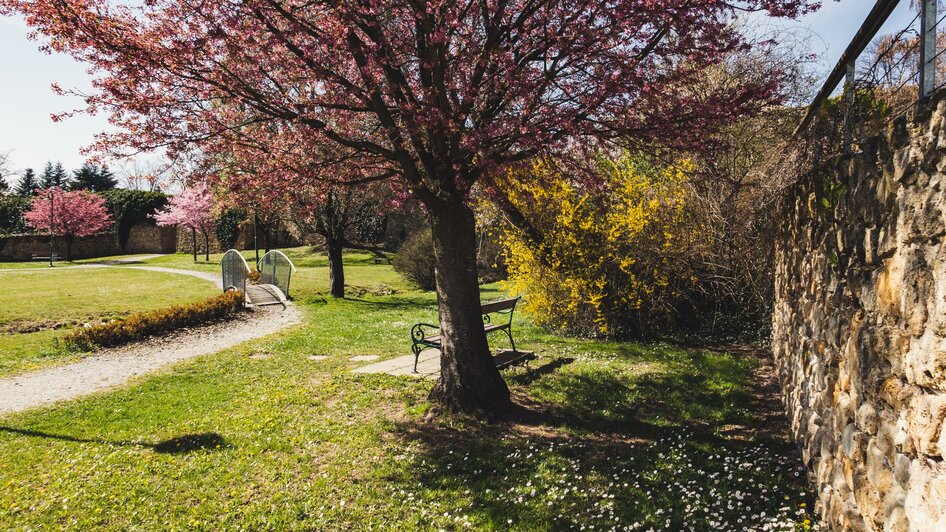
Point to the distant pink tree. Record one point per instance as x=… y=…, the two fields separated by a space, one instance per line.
x=74 y=214
x=191 y=208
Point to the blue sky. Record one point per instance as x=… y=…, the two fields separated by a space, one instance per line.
x=26 y=100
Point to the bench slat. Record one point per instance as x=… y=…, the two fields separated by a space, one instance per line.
x=496 y=306
x=506 y=358
x=488 y=328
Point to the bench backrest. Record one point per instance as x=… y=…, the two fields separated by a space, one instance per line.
x=499 y=306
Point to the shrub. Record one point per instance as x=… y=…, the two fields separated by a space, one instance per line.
x=227 y=226
x=11 y=214
x=130 y=208
x=612 y=259
x=415 y=260
x=144 y=324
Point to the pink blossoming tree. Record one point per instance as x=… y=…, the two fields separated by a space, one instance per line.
x=71 y=215
x=431 y=96
x=191 y=208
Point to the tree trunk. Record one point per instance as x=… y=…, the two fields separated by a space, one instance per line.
x=68 y=248
x=469 y=380
x=194 y=241
x=336 y=269
x=206 y=247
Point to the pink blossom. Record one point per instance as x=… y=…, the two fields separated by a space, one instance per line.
x=75 y=214
x=191 y=208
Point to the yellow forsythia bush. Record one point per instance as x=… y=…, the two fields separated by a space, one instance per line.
x=612 y=255
x=144 y=324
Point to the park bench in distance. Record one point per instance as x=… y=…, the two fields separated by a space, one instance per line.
x=426 y=335
x=45 y=257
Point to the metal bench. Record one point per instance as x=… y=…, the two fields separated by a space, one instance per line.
x=55 y=257
x=426 y=335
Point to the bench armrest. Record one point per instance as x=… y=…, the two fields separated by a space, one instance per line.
x=418 y=333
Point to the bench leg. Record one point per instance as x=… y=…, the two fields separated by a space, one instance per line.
x=511 y=341
x=416 y=356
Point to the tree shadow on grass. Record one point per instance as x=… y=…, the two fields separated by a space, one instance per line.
x=117 y=262
x=400 y=303
x=190 y=443
x=604 y=446
x=179 y=445
x=531 y=375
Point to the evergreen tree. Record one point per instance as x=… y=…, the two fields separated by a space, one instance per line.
x=61 y=177
x=94 y=178
x=48 y=176
x=54 y=175
x=4 y=172
x=27 y=183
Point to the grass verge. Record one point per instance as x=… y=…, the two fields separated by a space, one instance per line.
x=41 y=306
x=142 y=325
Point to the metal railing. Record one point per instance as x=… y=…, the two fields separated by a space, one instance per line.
x=276 y=269
x=900 y=71
x=234 y=271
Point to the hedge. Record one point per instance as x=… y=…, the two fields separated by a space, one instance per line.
x=227 y=226
x=132 y=207
x=11 y=214
x=162 y=321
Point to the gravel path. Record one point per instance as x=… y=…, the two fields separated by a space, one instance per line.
x=212 y=277
x=131 y=260
x=113 y=367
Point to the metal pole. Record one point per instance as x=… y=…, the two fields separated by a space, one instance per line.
x=52 y=221
x=255 y=228
x=875 y=20
x=849 y=107
x=927 y=48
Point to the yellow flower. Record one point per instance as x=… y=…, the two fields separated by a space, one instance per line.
x=605 y=253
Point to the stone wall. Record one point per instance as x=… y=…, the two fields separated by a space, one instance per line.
x=141 y=239
x=860 y=328
x=279 y=238
x=151 y=239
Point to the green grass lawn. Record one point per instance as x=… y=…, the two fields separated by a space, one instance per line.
x=38 y=264
x=614 y=435
x=42 y=305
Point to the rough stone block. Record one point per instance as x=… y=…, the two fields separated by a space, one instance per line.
x=925 y=415
x=925 y=362
x=866 y=418
x=897 y=520
x=901 y=470
x=924 y=504
x=879 y=469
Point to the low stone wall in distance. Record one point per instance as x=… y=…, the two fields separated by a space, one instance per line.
x=279 y=238
x=141 y=239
